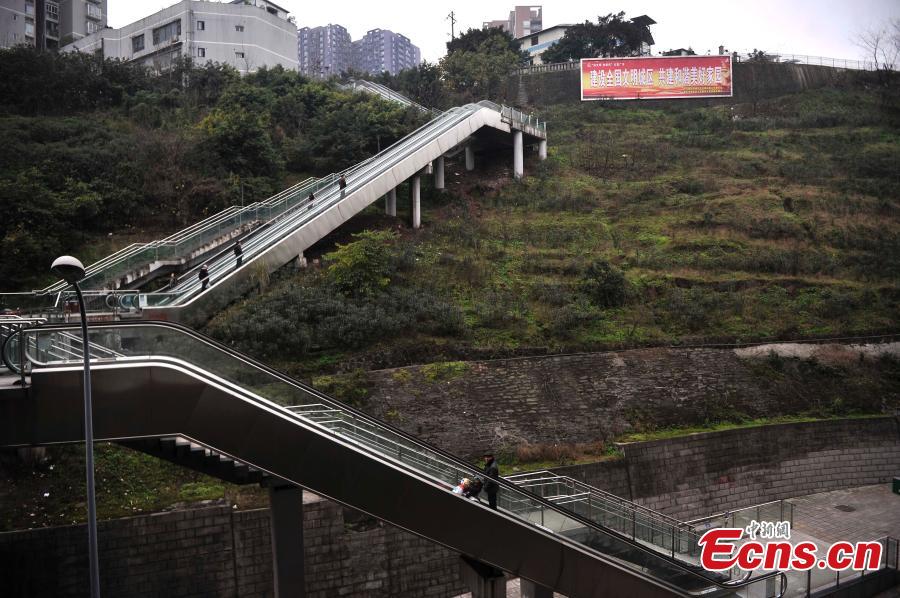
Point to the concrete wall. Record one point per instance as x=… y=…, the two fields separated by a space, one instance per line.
x=752 y=82
x=702 y=474
x=215 y=551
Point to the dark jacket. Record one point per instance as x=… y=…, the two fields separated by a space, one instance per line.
x=342 y=182
x=238 y=250
x=204 y=273
x=491 y=473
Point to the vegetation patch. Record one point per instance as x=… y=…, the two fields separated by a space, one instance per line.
x=442 y=371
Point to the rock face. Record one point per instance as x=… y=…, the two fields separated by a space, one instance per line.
x=589 y=397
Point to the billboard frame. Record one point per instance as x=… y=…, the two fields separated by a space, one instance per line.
x=639 y=98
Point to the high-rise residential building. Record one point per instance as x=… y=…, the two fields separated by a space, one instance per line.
x=382 y=50
x=80 y=18
x=523 y=20
x=47 y=24
x=324 y=51
x=247 y=34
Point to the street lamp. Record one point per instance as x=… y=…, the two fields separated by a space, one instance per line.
x=71 y=270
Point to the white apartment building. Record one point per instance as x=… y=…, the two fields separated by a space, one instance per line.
x=47 y=24
x=536 y=43
x=246 y=34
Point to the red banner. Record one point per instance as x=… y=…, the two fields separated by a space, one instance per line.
x=662 y=77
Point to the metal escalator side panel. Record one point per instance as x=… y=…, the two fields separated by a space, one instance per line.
x=161 y=400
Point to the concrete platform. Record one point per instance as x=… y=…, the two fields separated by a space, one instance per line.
x=855 y=514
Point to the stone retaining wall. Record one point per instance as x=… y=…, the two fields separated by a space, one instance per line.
x=215 y=551
x=701 y=474
x=504 y=404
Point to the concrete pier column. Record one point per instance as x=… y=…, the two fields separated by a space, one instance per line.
x=470 y=158
x=390 y=202
x=415 y=196
x=529 y=589
x=518 y=155
x=286 y=503
x=439 y=173
x=482 y=580
x=542 y=149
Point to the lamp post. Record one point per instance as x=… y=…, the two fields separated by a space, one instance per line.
x=71 y=270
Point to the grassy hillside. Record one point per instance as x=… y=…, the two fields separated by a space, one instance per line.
x=644 y=226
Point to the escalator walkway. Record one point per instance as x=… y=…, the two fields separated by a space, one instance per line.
x=157 y=379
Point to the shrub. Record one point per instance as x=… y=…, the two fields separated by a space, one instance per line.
x=364 y=266
x=605 y=284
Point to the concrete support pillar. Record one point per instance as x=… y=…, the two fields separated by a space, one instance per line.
x=542 y=149
x=529 y=589
x=518 y=155
x=439 y=173
x=390 y=202
x=482 y=580
x=415 y=189
x=470 y=158
x=286 y=503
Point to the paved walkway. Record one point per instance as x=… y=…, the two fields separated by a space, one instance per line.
x=856 y=514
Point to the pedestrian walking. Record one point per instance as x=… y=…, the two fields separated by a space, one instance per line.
x=203 y=275
x=310 y=200
x=173 y=281
x=491 y=474
x=342 y=184
x=238 y=253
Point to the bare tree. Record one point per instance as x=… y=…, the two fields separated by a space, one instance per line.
x=882 y=45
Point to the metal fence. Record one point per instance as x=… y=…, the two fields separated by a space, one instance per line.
x=837 y=63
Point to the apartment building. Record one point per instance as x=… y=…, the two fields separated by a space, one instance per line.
x=522 y=21
x=247 y=34
x=47 y=24
x=383 y=50
x=324 y=51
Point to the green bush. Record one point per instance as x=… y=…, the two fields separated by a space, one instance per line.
x=364 y=266
x=604 y=284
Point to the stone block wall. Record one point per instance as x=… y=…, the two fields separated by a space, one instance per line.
x=215 y=551
x=702 y=474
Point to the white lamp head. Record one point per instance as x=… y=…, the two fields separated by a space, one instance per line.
x=68 y=268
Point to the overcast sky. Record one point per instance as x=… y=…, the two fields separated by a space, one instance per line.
x=810 y=27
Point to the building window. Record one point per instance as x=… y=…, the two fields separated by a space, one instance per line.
x=53 y=11
x=201 y=25
x=201 y=52
x=238 y=54
x=137 y=43
x=29 y=9
x=29 y=29
x=94 y=12
x=239 y=28
x=534 y=40
x=166 y=32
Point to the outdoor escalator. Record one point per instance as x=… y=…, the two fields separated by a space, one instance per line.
x=155 y=379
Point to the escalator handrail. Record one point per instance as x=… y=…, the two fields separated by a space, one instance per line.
x=452 y=459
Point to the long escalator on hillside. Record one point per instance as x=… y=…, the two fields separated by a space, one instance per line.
x=153 y=379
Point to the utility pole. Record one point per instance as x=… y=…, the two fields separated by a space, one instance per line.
x=452 y=18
